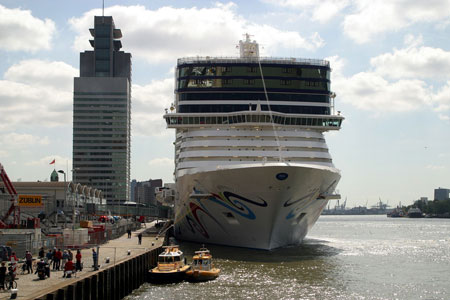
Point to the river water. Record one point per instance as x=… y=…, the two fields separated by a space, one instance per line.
x=343 y=257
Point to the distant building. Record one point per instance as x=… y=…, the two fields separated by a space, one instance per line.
x=441 y=194
x=101 y=114
x=144 y=192
x=132 y=189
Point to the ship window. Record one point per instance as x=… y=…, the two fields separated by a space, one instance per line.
x=249 y=81
x=285 y=82
x=226 y=69
x=227 y=81
x=288 y=70
x=251 y=69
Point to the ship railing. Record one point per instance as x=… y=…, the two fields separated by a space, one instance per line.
x=269 y=60
x=254 y=118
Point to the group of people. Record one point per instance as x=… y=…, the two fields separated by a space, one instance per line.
x=58 y=258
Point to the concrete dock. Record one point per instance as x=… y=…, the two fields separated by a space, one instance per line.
x=56 y=287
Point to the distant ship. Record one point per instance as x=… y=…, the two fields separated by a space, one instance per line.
x=252 y=168
x=415 y=212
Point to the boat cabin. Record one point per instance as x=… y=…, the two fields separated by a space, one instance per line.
x=202 y=260
x=171 y=258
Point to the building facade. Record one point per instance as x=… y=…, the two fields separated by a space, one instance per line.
x=441 y=194
x=144 y=192
x=102 y=114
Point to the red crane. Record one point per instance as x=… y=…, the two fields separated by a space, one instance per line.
x=14 y=209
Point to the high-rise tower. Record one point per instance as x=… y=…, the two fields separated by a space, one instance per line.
x=101 y=114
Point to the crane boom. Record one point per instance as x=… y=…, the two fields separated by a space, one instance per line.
x=14 y=209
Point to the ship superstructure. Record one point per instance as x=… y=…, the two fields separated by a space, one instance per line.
x=252 y=168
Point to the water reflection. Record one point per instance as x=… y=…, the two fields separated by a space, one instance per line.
x=306 y=271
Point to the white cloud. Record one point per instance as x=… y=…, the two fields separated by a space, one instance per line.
x=364 y=20
x=434 y=167
x=167 y=33
x=373 y=17
x=321 y=11
x=15 y=140
x=441 y=102
x=20 y=31
x=149 y=102
x=395 y=82
x=370 y=91
x=36 y=92
x=414 y=62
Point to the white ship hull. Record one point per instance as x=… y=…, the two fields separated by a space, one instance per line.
x=252 y=205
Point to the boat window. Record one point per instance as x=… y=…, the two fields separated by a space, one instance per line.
x=177 y=258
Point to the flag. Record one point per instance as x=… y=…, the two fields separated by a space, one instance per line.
x=53 y=161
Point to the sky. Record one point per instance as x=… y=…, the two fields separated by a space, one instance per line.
x=390 y=65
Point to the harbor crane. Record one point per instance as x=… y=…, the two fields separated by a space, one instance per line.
x=14 y=209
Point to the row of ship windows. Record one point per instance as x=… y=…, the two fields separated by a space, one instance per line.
x=257 y=83
x=247 y=138
x=252 y=158
x=281 y=120
x=254 y=96
x=311 y=72
x=255 y=148
x=226 y=108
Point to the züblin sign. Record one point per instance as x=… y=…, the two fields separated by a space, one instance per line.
x=30 y=200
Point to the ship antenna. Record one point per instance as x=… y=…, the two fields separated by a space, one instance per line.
x=270 y=110
x=103 y=8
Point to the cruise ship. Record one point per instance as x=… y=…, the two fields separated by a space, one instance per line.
x=252 y=168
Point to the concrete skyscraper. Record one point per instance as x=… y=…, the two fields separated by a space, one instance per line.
x=101 y=114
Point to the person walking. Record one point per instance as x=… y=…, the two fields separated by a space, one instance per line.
x=65 y=258
x=70 y=254
x=140 y=238
x=129 y=233
x=49 y=257
x=2 y=276
x=58 y=257
x=29 y=261
x=41 y=253
x=78 y=266
x=13 y=265
x=95 y=259
x=54 y=258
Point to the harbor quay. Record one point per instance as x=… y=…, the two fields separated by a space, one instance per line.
x=123 y=264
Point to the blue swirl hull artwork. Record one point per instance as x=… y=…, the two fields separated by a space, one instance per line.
x=262 y=207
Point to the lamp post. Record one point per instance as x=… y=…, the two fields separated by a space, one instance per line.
x=65 y=196
x=76 y=197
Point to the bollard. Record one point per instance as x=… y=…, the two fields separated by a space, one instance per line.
x=107 y=260
x=129 y=252
x=13 y=294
